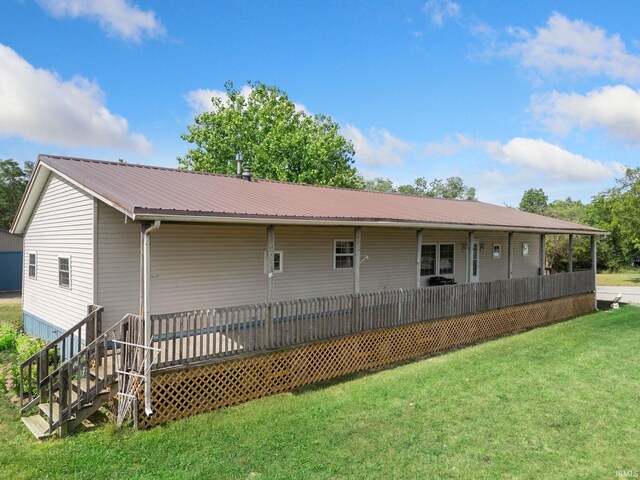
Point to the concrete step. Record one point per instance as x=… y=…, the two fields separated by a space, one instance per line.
x=37 y=425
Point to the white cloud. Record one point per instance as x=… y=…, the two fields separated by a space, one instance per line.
x=200 y=100
x=452 y=145
x=552 y=161
x=576 y=47
x=116 y=17
x=439 y=10
x=38 y=106
x=378 y=148
x=615 y=109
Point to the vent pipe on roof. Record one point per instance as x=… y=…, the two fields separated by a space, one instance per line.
x=239 y=161
x=246 y=174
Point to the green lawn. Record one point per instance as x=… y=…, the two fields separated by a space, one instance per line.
x=558 y=402
x=10 y=313
x=628 y=279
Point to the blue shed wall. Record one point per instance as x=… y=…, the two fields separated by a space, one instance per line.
x=10 y=271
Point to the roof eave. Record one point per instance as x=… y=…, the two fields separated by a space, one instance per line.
x=262 y=220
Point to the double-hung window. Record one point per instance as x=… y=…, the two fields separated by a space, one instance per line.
x=277 y=261
x=437 y=259
x=428 y=260
x=343 y=253
x=64 y=271
x=32 y=265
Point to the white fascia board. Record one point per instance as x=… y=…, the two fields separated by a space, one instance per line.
x=343 y=223
x=34 y=191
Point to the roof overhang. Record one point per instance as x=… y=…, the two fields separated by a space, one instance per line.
x=35 y=187
x=42 y=172
x=255 y=220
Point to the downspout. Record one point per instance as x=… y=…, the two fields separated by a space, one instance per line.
x=147 y=316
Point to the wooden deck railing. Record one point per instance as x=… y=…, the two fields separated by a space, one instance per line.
x=55 y=353
x=92 y=370
x=201 y=335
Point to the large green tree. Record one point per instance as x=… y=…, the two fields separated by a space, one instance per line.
x=278 y=140
x=452 y=188
x=13 y=180
x=618 y=211
x=534 y=200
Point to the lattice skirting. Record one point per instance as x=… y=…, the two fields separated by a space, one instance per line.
x=189 y=391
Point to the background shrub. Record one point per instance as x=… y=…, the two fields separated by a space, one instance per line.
x=8 y=338
x=26 y=346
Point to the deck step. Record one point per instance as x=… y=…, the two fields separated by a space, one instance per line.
x=37 y=425
x=44 y=408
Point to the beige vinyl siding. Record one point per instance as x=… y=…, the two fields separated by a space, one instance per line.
x=62 y=225
x=205 y=266
x=9 y=242
x=526 y=266
x=118 y=265
x=392 y=259
x=493 y=268
x=308 y=262
x=459 y=239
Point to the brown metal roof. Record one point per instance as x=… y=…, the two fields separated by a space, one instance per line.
x=145 y=192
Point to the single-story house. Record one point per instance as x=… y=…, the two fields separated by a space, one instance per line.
x=153 y=241
x=10 y=261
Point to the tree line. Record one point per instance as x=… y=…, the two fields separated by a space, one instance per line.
x=282 y=141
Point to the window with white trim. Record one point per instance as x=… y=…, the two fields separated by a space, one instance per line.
x=497 y=250
x=437 y=259
x=343 y=253
x=277 y=261
x=428 y=259
x=64 y=271
x=32 y=265
x=446 y=259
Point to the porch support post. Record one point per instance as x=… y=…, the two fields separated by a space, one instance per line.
x=510 y=256
x=271 y=247
x=594 y=267
x=470 y=256
x=542 y=259
x=570 y=252
x=357 y=237
x=418 y=256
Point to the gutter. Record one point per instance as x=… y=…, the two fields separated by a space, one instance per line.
x=352 y=223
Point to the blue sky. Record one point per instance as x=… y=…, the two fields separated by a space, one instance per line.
x=505 y=95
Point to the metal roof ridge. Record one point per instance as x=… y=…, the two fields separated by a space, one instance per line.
x=256 y=180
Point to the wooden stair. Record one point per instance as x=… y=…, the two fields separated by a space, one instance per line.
x=68 y=392
x=38 y=423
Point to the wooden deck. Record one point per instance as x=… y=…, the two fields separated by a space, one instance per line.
x=201 y=335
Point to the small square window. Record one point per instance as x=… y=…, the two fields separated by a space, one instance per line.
x=497 y=250
x=64 y=271
x=32 y=265
x=343 y=254
x=278 y=259
x=525 y=249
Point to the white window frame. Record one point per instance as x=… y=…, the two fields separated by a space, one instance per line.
x=35 y=265
x=493 y=250
x=526 y=249
x=68 y=257
x=437 y=269
x=336 y=255
x=266 y=261
x=453 y=266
